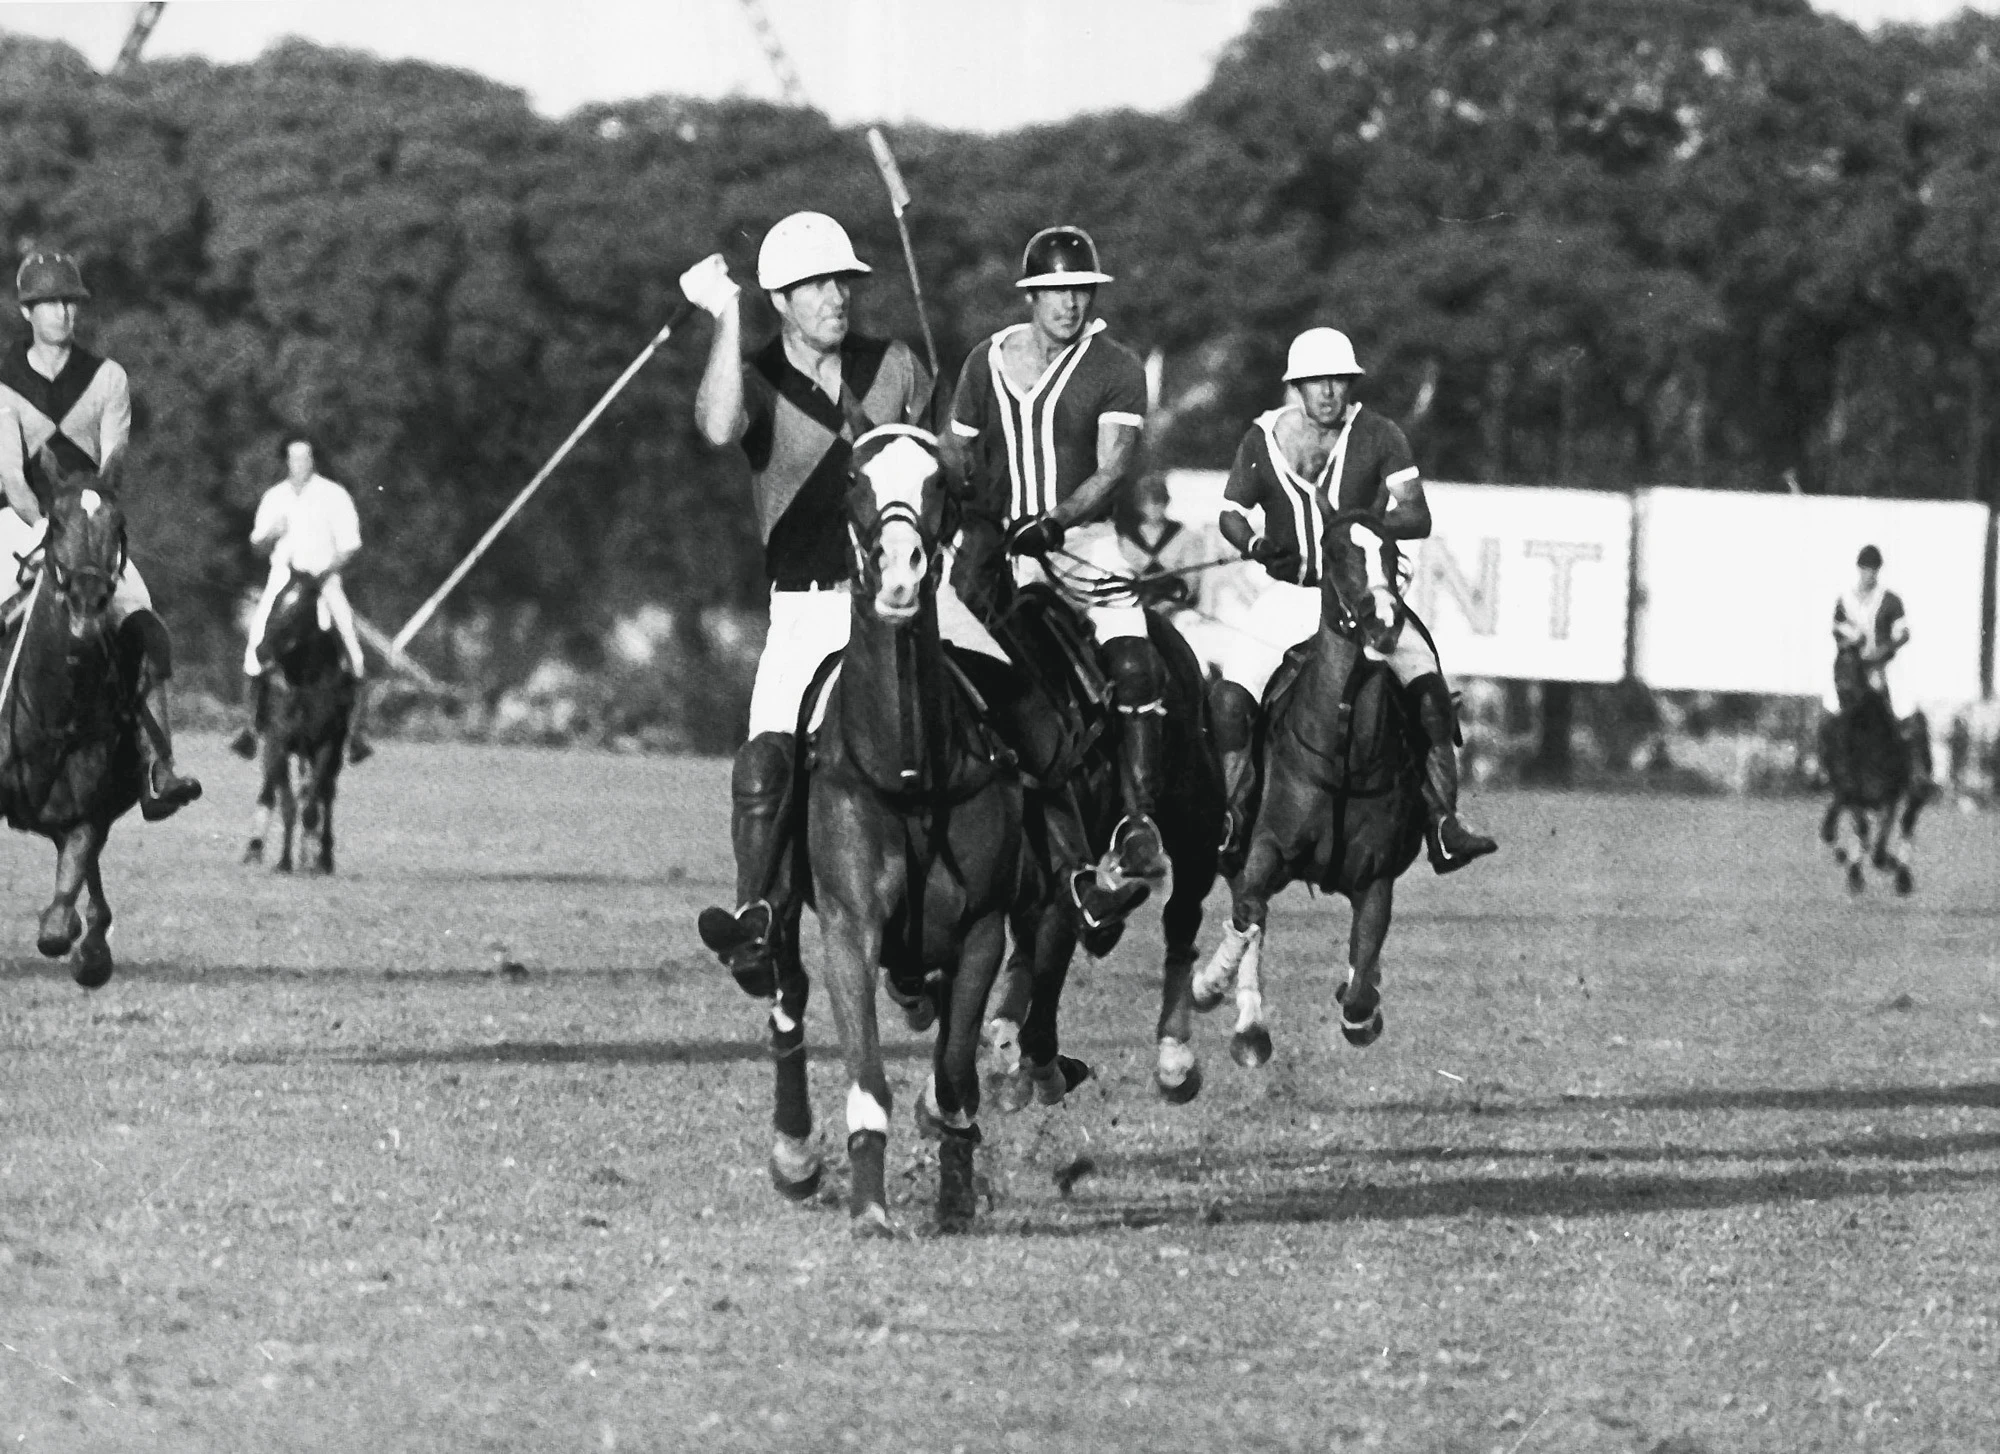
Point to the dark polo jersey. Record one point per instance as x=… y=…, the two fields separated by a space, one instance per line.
x=80 y=415
x=799 y=443
x=1032 y=448
x=1369 y=454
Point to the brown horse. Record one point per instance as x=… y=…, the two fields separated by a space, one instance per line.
x=912 y=846
x=70 y=764
x=1341 y=807
x=1065 y=724
x=1879 y=771
x=304 y=741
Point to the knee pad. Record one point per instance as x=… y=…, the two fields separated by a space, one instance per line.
x=1233 y=713
x=1134 y=668
x=148 y=634
x=763 y=768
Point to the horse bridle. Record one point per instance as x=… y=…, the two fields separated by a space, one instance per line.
x=61 y=576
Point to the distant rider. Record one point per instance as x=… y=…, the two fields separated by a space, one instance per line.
x=1320 y=453
x=308 y=523
x=57 y=395
x=1871 y=621
x=795 y=407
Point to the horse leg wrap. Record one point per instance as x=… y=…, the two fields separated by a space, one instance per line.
x=868 y=1197
x=1215 y=979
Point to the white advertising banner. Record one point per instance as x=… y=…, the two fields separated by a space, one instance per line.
x=1515 y=581
x=1737 y=590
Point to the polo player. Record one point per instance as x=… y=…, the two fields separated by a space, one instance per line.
x=1322 y=452
x=1046 y=420
x=795 y=408
x=1871 y=621
x=57 y=395
x=305 y=522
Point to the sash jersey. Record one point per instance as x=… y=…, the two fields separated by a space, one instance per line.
x=799 y=443
x=81 y=415
x=1870 y=622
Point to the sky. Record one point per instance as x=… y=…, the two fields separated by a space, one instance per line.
x=983 y=65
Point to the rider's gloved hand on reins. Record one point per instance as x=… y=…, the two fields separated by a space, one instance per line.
x=1273 y=557
x=1037 y=537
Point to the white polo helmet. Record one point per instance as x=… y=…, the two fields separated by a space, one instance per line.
x=805 y=245
x=1321 y=353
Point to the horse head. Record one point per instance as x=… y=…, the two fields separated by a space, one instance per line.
x=1356 y=579
x=84 y=551
x=895 y=519
x=1851 y=687
x=294 y=614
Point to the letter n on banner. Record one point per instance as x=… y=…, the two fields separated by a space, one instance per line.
x=1440 y=574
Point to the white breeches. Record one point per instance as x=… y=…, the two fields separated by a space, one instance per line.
x=1283 y=616
x=1096 y=556
x=339 y=614
x=809 y=626
x=1280 y=618
x=18 y=538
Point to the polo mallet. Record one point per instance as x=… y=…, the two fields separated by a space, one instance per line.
x=424 y=612
x=899 y=201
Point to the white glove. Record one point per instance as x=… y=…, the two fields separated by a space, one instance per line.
x=1385 y=607
x=709 y=287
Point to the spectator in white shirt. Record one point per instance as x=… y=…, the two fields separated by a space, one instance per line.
x=305 y=522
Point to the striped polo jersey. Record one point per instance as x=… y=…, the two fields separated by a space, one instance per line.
x=82 y=414
x=1368 y=456
x=1032 y=449
x=799 y=443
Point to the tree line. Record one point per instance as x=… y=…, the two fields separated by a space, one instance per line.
x=1728 y=243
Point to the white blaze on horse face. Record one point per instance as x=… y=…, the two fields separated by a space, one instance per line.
x=865 y=1113
x=897 y=475
x=90 y=502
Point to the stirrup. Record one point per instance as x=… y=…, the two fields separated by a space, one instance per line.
x=1129 y=829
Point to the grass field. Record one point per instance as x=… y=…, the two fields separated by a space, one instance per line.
x=1669 y=1147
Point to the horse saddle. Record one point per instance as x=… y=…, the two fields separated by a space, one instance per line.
x=976 y=733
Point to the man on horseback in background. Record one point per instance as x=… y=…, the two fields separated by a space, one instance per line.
x=305 y=522
x=57 y=395
x=796 y=407
x=1047 y=417
x=1297 y=466
x=1870 y=621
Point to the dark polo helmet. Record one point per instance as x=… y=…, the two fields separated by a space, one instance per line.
x=1061 y=257
x=47 y=277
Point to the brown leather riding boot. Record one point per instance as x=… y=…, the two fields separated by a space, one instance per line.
x=1136 y=849
x=164 y=792
x=745 y=939
x=1452 y=845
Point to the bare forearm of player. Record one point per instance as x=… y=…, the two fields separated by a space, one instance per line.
x=13 y=471
x=1116 y=445
x=1237 y=530
x=718 y=404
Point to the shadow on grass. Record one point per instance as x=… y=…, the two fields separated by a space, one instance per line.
x=659 y=1052
x=1974 y=1094
x=221 y=975
x=1562 y=1193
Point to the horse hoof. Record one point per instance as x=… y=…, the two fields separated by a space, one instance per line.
x=1186 y=1090
x=1856 y=881
x=1053 y=1082
x=1366 y=1032
x=1100 y=940
x=1250 y=1048
x=93 y=965
x=1906 y=882
x=56 y=941
x=802 y=1190
x=1203 y=1000
x=929 y=1124
x=253 y=851
x=871 y=1224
